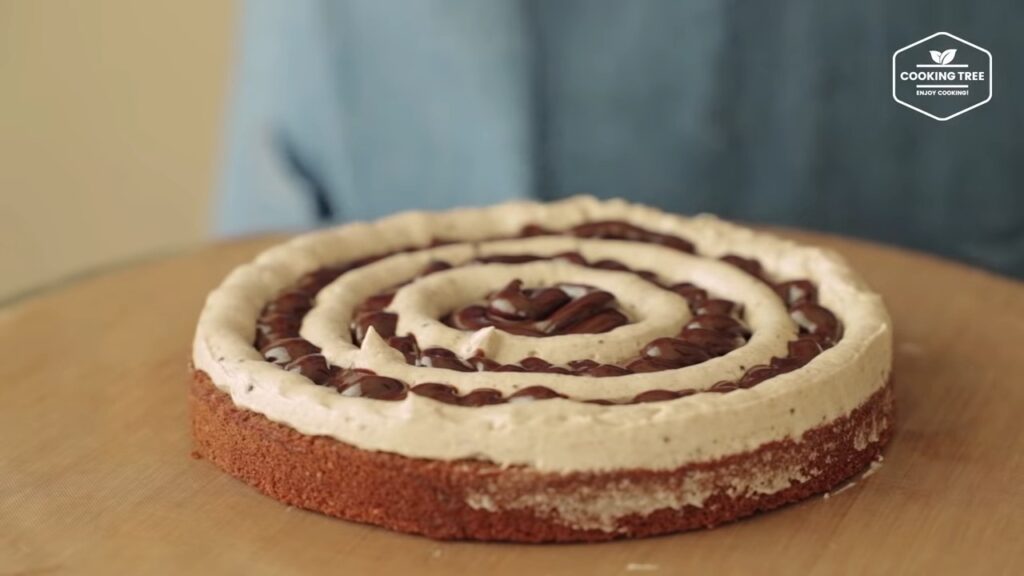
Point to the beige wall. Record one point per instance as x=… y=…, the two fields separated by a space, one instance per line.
x=110 y=120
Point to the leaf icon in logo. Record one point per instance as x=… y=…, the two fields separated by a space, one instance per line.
x=948 y=56
x=936 y=56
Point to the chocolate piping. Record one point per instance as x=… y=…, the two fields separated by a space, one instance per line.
x=715 y=329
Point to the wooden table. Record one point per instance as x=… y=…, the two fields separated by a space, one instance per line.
x=96 y=477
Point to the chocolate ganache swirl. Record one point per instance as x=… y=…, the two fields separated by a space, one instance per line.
x=708 y=326
x=542 y=311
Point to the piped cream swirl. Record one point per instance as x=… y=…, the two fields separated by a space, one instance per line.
x=551 y=435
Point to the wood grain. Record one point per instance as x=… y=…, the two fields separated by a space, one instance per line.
x=96 y=478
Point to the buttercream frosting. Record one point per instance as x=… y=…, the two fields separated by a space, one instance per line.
x=556 y=435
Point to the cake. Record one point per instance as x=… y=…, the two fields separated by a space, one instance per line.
x=581 y=370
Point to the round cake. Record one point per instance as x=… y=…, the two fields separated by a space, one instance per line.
x=572 y=371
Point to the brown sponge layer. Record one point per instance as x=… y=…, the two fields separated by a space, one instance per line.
x=479 y=500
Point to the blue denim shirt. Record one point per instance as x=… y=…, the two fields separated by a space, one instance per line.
x=777 y=112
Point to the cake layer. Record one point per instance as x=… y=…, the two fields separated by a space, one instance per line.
x=474 y=499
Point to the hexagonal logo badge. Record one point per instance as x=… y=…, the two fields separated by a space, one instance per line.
x=942 y=76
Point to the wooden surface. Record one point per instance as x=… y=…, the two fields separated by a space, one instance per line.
x=96 y=478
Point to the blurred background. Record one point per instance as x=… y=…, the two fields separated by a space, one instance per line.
x=110 y=129
x=130 y=130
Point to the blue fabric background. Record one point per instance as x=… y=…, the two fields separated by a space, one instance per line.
x=776 y=112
